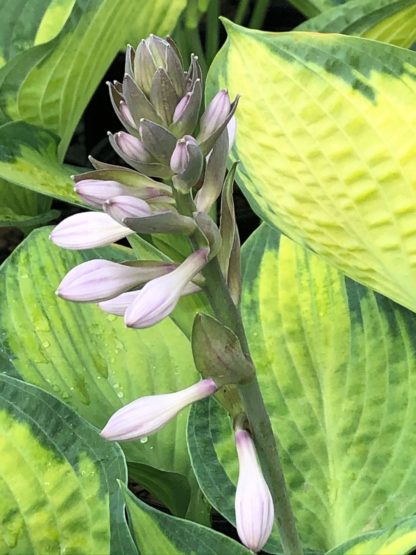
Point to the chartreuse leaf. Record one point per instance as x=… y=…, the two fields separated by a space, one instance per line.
x=338 y=376
x=28 y=157
x=395 y=540
x=384 y=20
x=58 y=479
x=50 y=84
x=157 y=532
x=86 y=357
x=327 y=147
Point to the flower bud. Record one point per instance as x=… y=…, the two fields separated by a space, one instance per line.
x=147 y=415
x=214 y=120
x=254 y=509
x=88 y=230
x=123 y=206
x=185 y=116
x=131 y=147
x=98 y=280
x=159 y=297
x=187 y=162
x=118 y=305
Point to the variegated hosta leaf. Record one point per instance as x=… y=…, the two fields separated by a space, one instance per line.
x=157 y=532
x=396 y=540
x=58 y=479
x=328 y=148
x=336 y=368
x=23 y=208
x=392 y=21
x=28 y=157
x=88 y=358
x=50 y=84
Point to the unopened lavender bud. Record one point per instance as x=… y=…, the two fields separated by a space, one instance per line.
x=159 y=297
x=147 y=415
x=123 y=206
x=118 y=305
x=97 y=280
x=97 y=191
x=88 y=230
x=125 y=112
x=187 y=162
x=186 y=114
x=180 y=157
x=180 y=109
x=254 y=509
x=131 y=146
x=215 y=115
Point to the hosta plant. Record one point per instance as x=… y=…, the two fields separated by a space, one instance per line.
x=272 y=383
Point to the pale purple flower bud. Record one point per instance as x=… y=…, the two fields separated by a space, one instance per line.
x=254 y=509
x=125 y=112
x=97 y=191
x=147 y=415
x=159 y=297
x=118 y=305
x=180 y=157
x=180 y=109
x=88 y=230
x=124 y=206
x=131 y=146
x=97 y=280
x=215 y=114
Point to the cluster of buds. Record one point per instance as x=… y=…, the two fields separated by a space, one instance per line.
x=172 y=151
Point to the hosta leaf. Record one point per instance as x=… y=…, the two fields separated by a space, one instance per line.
x=50 y=84
x=384 y=20
x=156 y=532
x=327 y=147
x=86 y=357
x=396 y=540
x=28 y=157
x=310 y=8
x=336 y=368
x=23 y=208
x=58 y=479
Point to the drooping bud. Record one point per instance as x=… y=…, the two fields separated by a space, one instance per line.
x=254 y=509
x=124 y=206
x=147 y=415
x=159 y=297
x=118 y=305
x=215 y=119
x=98 y=280
x=88 y=230
x=187 y=162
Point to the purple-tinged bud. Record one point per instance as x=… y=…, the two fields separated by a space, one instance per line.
x=147 y=415
x=254 y=509
x=125 y=112
x=131 y=146
x=98 y=280
x=214 y=120
x=187 y=162
x=215 y=114
x=186 y=114
x=118 y=305
x=181 y=107
x=159 y=297
x=88 y=230
x=180 y=157
x=124 y=206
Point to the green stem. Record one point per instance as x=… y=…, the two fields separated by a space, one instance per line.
x=259 y=14
x=212 y=37
x=241 y=12
x=225 y=309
